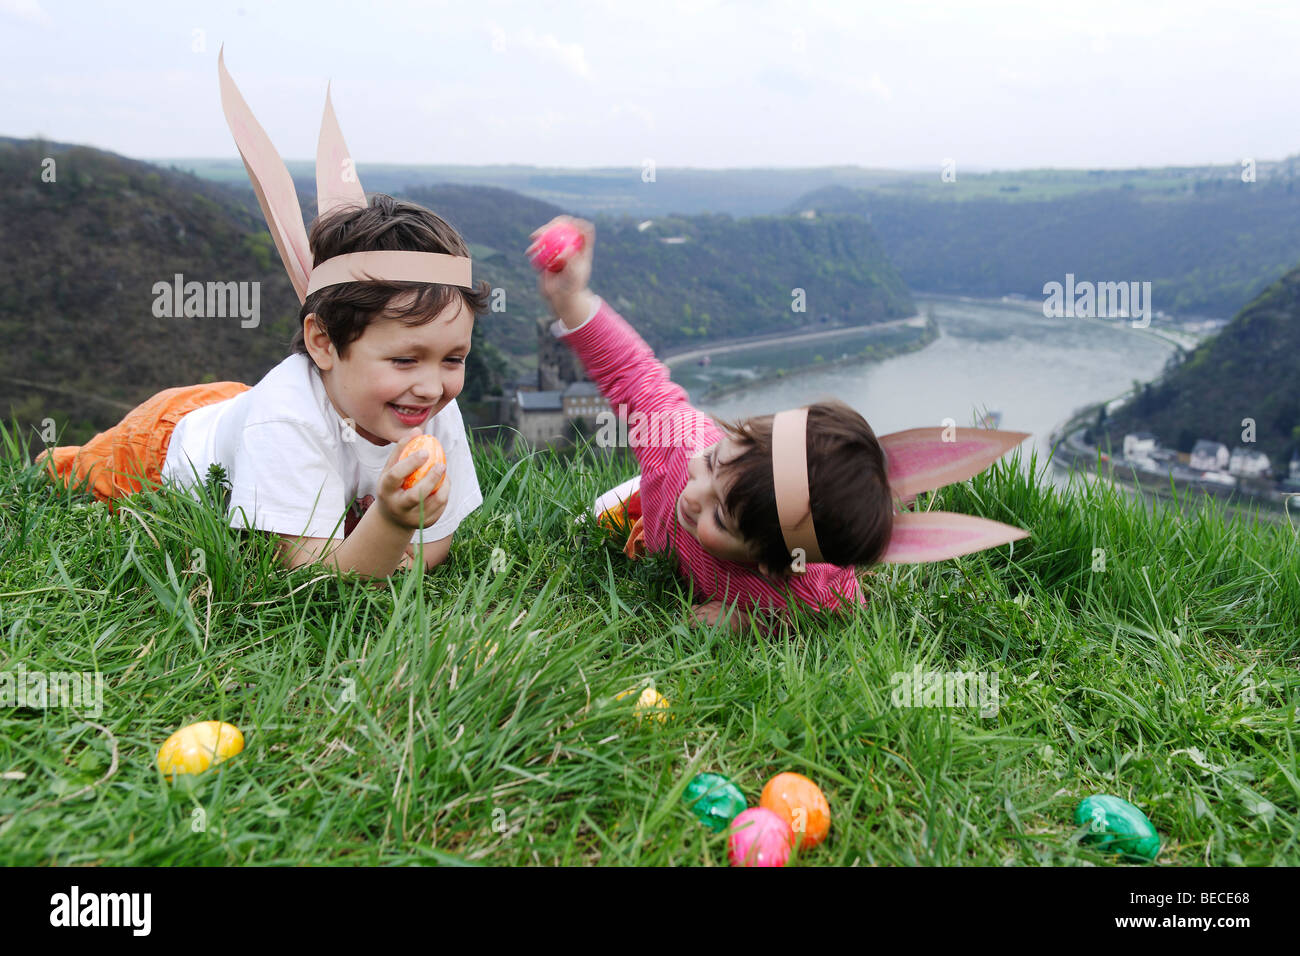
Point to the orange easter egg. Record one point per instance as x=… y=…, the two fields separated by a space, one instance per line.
x=436 y=457
x=801 y=803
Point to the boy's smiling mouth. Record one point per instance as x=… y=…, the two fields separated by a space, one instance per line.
x=410 y=414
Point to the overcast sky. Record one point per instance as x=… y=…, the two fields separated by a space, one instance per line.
x=705 y=83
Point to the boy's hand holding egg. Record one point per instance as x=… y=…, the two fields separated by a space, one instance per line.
x=433 y=455
x=414 y=477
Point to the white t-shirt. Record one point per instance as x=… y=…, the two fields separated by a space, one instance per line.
x=295 y=467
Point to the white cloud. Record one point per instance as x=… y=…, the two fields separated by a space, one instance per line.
x=871 y=88
x=633 y=110
x=546 y=46
x=29 y=11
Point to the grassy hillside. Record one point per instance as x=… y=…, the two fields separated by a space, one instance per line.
x=471 y=715
x=1251 y=369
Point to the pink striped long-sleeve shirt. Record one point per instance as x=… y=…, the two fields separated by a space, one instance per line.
x=623 y=366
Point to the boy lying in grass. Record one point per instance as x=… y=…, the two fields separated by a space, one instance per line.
x=379 y=357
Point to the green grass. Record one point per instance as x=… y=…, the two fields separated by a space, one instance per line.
x=1168 y=679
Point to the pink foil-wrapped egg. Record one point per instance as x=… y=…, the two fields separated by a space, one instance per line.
x=759 y=837
x=555 y=245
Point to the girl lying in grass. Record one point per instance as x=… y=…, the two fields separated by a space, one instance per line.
x=775 y=509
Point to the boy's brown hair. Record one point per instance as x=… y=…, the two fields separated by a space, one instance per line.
x=345 y=310
x=848 y=488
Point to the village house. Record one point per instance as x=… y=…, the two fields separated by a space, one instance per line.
x=546 y=412
x=583 y=400
x=538 y=417
x=1291 y=483
x=1248 y=463
x=1208 y=456
x=1139 y=445
x=1219 y=478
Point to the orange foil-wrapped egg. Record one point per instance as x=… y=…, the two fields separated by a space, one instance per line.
x=436 y=457
x=801 y=803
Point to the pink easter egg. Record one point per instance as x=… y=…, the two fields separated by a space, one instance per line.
x=555 y=245
x=759 y=837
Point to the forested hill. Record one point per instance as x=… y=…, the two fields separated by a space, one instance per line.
x=691 y=279
x=83 y=252
x=1207 y=249
x=1251 y=369
x=81 y=255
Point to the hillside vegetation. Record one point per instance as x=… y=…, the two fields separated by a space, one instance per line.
x=1207 y=248
x=1250 y=370
x=80 y=344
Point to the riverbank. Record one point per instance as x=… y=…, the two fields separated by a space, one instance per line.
x=1071 y=454
x=916 y=332
x=670 y=359
x=1182 y=339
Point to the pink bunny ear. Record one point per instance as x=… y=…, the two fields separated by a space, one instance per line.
x=920 y=460
x=936 y=535
x=271 y=181
x=336 y=176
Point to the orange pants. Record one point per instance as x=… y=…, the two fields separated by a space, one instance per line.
x=132 y=452
x=627 y=517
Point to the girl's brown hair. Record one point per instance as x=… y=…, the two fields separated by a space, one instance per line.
x=848 y=488
x=345 y=310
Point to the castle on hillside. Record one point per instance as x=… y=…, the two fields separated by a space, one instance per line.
x=558 y=403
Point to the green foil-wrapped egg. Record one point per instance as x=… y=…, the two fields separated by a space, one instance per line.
x=1115 y=824
x=714 y=799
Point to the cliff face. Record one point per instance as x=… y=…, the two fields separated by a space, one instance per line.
x=1250 y=370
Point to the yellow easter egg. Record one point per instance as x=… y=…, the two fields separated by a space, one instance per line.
x=194 y=748
x=651 y=703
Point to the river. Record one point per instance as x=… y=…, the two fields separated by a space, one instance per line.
x=989 y=355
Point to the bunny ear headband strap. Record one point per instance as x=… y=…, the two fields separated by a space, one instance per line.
x=919 y=460
x=790 y=480
x=336 y=186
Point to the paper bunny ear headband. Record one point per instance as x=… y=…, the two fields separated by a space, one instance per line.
x=919 y=460
x=336 y=185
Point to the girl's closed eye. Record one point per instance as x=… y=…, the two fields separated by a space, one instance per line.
x=709 y=458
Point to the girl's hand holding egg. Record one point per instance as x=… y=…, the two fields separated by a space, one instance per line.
x=551 y=250
x=413 y=479
x=562 y=252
